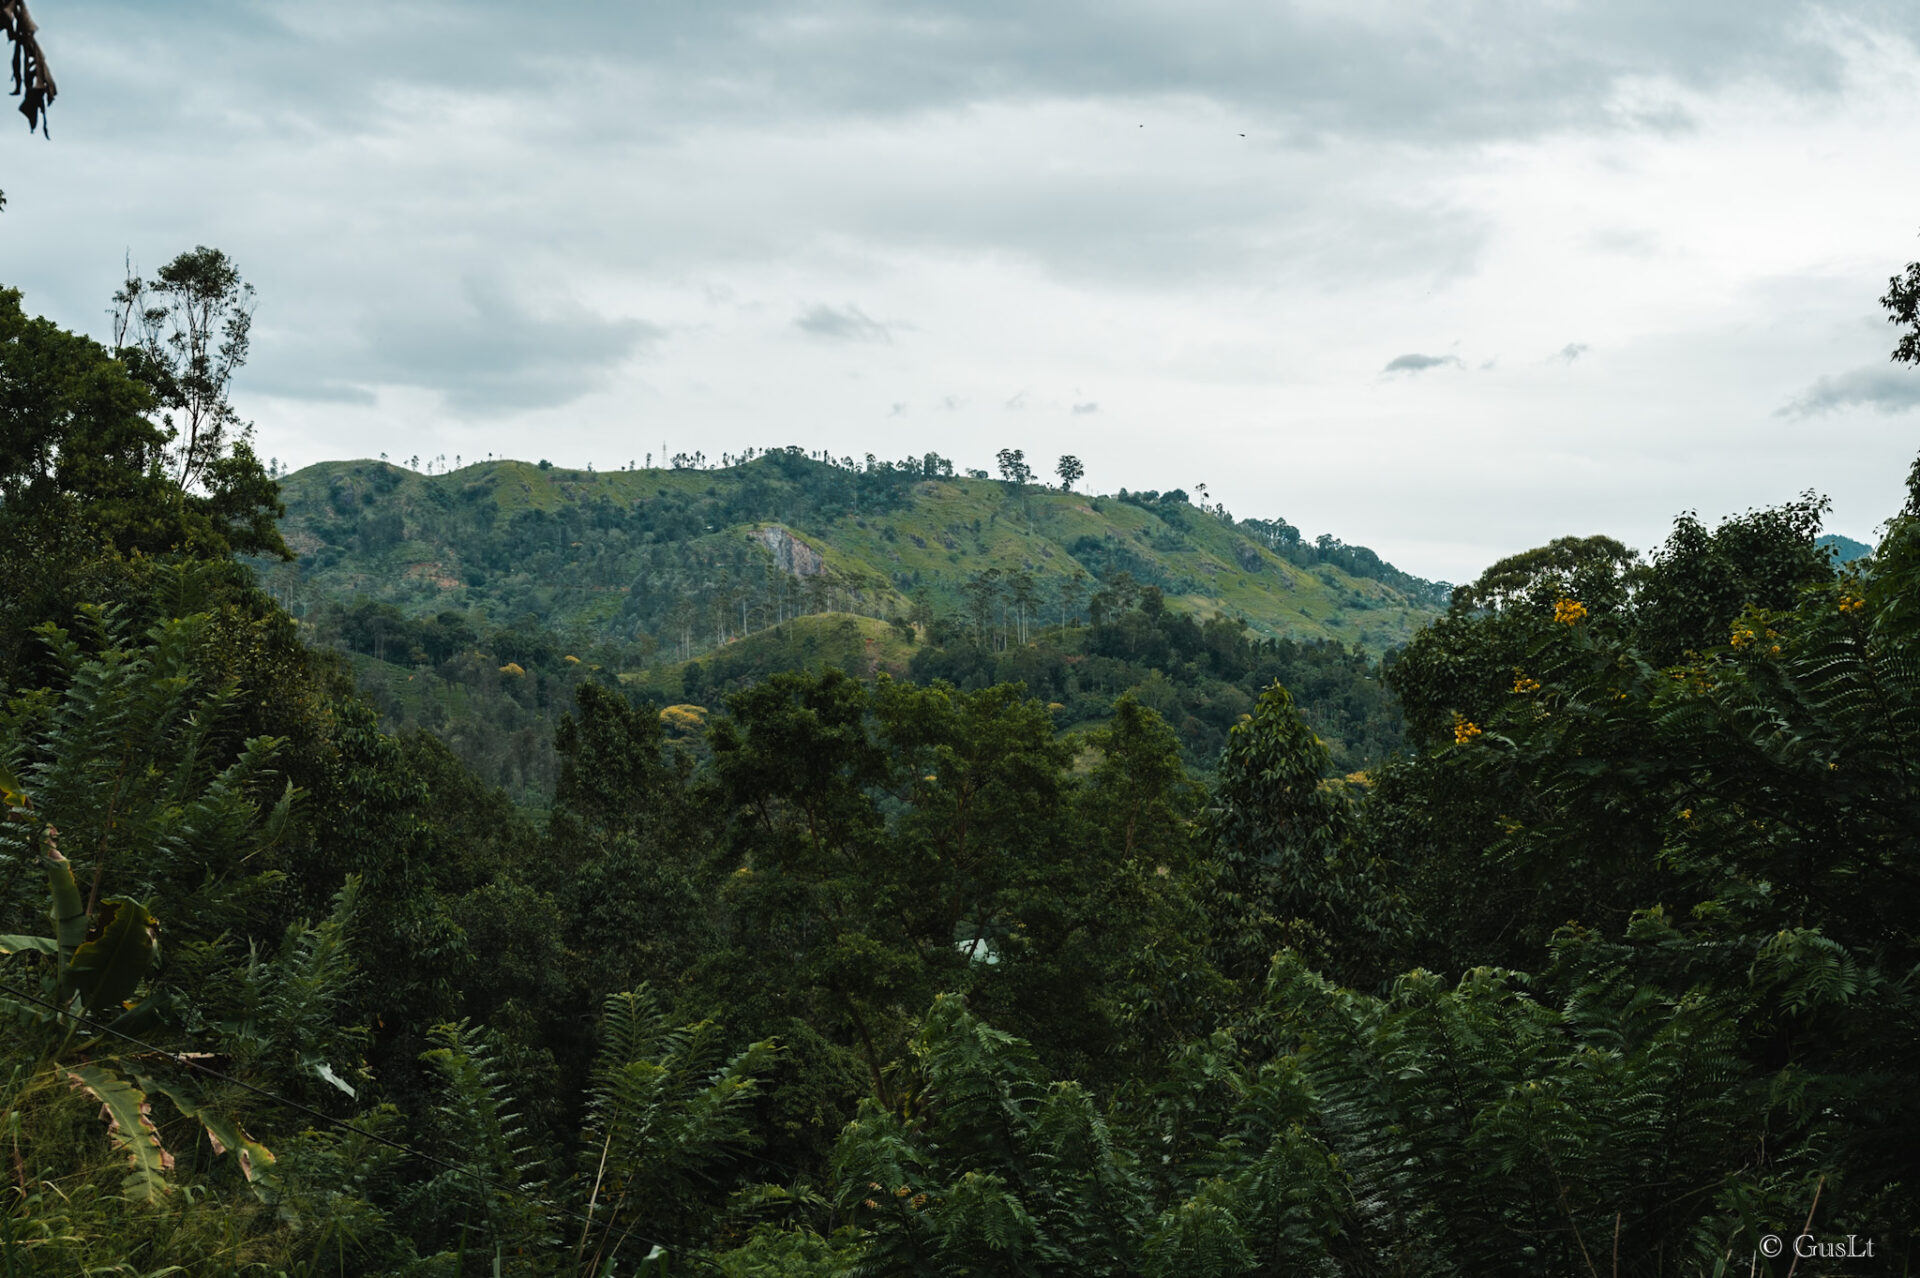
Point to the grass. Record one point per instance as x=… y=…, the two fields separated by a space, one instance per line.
x=864 y=646
x=940 y=536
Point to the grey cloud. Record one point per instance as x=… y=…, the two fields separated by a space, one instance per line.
x=1885 y=390
x=1570 y=352
x=587 y=94
x=1082 y=410
x=610 y=90
x=1464 y=66
x=1158 y=216
x=845 y=324
x=333 y=328
x=338 y=145
x=488 y=352
x=1413 y=363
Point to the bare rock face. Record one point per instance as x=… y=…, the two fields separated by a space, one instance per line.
x=791 y=554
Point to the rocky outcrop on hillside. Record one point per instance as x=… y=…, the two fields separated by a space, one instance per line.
x=791 y=554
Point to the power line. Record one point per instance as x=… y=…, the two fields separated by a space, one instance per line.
x=186 y=1062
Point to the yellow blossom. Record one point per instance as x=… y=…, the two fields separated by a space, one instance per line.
x=515 y=669
x=1851 y=603
x=1464 y=730
x=683 y=718
x=1521 y=683
x=1569 y=612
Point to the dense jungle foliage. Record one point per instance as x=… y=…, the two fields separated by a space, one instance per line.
x=1613 y=971
x=496 y=698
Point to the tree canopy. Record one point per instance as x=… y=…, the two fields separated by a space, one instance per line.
x=1609 y=969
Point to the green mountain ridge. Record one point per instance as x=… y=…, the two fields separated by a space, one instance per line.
x=1844 y=548
x=666 y=564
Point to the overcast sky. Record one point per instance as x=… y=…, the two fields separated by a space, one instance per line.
x=1446 y=279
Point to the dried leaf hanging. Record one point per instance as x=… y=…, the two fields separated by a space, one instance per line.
x=32 y=82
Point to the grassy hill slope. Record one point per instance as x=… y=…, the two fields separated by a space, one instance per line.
x=864 y=646
x=677 y=562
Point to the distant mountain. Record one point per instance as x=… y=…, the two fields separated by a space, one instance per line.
x=680 y=561
x=1845 y=549
x=472 y=604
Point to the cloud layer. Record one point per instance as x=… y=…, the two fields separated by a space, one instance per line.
x=1885 y=390
x=846 y=324
x=472 y=226
x=1414 y=363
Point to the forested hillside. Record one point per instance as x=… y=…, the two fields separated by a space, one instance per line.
x=872 y=973
x=475 y=600
x=682 y=560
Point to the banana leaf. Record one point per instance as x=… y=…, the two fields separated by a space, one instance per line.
x=130 y=1128
x=226 y=1135
x=69 y=914
x=106 y=969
